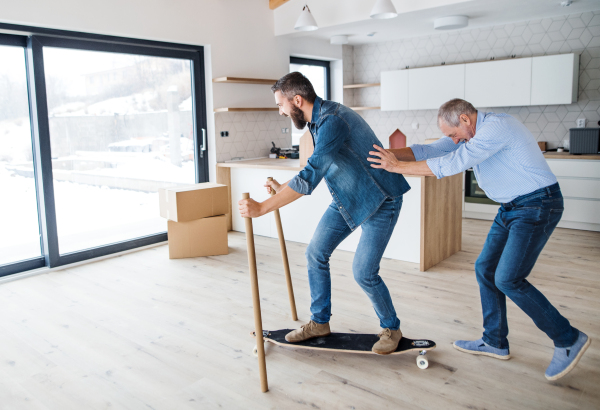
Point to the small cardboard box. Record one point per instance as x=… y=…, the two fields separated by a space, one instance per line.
x=202 y=237
x=186 y=203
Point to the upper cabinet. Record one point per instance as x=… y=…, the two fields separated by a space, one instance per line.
x=554 y=79
x=394 y=90
x=544 y=80
x=505 y=83
x=430 y=87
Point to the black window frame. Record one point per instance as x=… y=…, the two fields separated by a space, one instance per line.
x=33 y=39
x=318 y=63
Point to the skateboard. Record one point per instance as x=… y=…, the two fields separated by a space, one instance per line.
x=348 y=342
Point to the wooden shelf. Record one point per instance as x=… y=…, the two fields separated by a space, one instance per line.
x=365 y=108
x=242 y=80
x=362 y=85
x=230 y=109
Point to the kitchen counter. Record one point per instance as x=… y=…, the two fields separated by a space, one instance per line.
x=272 y=163
x=428 y=231
x=566 y=155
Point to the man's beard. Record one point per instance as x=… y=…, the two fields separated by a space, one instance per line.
x=297 y=117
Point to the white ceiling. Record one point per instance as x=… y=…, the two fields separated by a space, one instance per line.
x=481 y=13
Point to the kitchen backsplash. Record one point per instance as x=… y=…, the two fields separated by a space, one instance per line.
x=250 y=134
x=578 y=33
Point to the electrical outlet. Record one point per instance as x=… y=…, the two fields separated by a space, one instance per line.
x=224 y=133
x=283 y=130
x=580 y=122
x=287 y=130
x=415 y=125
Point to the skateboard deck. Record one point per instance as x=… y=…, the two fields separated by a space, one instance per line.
x=349 y=342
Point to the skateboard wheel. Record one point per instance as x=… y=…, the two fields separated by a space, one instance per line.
x=255 y=351
x=422 y=362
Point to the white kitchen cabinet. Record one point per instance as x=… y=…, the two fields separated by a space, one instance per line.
x=554 y=79
x=430 y=87
x=505 y=83
x=394 y=90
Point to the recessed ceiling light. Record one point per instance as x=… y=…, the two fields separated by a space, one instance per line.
x=450 y=22
x=371 y=34
x=342 y=39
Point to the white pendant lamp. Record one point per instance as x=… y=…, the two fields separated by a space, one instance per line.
x=384 y=9
x=306 y=21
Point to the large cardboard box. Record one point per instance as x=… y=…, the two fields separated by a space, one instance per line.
x=186 y=203
x=202 y=237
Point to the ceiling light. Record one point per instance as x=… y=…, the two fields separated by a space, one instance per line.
x=451 y=22
x=371 y=34
x=383 y=9
x=306 y=21
x=339 y=39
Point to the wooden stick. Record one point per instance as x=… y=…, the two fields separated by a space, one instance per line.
x=260 y=344
x=284 y=258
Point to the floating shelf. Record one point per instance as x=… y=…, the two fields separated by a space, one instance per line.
x=229 y=109
x=365 y=108
x=362 y=85
x=243 y=80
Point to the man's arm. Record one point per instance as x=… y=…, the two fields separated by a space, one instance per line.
x=249 y=208
x=387 y=159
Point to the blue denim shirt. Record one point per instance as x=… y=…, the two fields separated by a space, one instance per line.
x=342 y=141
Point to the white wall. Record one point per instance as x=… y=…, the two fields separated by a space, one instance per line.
x=238 y=36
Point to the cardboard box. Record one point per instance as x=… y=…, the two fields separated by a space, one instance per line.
x=186 y=203
x=202 y=237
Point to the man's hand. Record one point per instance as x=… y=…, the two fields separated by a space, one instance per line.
x=385 y=159
x=273 y=185
x=249 y=208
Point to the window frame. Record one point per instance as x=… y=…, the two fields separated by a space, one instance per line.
x=318 y=63
x=33 y=39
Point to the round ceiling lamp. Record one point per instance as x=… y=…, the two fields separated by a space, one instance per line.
x=450 y=22
x=342 y=39
x=384 y=9
x=306 y=21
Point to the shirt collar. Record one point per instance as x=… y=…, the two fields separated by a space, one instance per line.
x=316 y=112
x=480 y=117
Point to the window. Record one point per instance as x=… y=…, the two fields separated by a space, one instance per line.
x=114 y=120
x=317 y=72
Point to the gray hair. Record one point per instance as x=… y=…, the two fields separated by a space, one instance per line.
x=451 y=111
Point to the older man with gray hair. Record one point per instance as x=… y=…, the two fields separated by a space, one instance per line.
x=511 y=169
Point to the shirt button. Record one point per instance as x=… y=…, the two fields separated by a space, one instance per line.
x=340 y=207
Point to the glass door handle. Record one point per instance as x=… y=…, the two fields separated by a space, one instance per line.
x=203 y=140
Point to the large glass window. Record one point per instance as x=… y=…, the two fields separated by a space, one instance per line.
x=121 y=126
x=91 y=127
x=19 y=228
x=317 y=72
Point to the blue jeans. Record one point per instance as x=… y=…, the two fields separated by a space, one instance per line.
x=331 y=231
x=518 y=235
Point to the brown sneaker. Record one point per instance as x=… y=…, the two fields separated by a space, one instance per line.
x=388 y=341
x=308 y=331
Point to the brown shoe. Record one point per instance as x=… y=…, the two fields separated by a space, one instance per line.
x=388 y=341
x=308 y=331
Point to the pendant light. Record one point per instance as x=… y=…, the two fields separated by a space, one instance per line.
x=384 y=9
x=306 y=21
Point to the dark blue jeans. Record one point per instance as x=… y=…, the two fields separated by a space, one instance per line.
x=376 y=233
x=518 y=235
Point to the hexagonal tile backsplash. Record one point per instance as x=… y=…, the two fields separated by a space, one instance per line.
x=250 y=134
x=579 y=33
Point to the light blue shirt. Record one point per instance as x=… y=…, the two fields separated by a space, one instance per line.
x=504 y=155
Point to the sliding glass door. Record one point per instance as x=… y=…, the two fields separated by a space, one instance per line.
x=112 y=121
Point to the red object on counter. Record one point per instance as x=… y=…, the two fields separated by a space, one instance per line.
x=397 y=139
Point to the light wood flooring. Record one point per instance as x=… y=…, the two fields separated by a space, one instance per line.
x=140 y=331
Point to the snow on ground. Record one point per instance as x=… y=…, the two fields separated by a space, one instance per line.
x=132 y=104
x=86 y=215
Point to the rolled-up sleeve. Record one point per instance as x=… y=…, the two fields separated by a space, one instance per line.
x=483 y=145
x=439 y=148
x=332 y=133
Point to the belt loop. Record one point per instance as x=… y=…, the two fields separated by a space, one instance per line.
x=548 y=191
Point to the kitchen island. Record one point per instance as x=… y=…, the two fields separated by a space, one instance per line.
x=428 y=231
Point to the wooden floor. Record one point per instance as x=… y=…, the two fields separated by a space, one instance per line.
x=141 y=331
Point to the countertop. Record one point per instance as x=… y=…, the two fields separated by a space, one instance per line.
x=566 y=155
x=271 y=163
